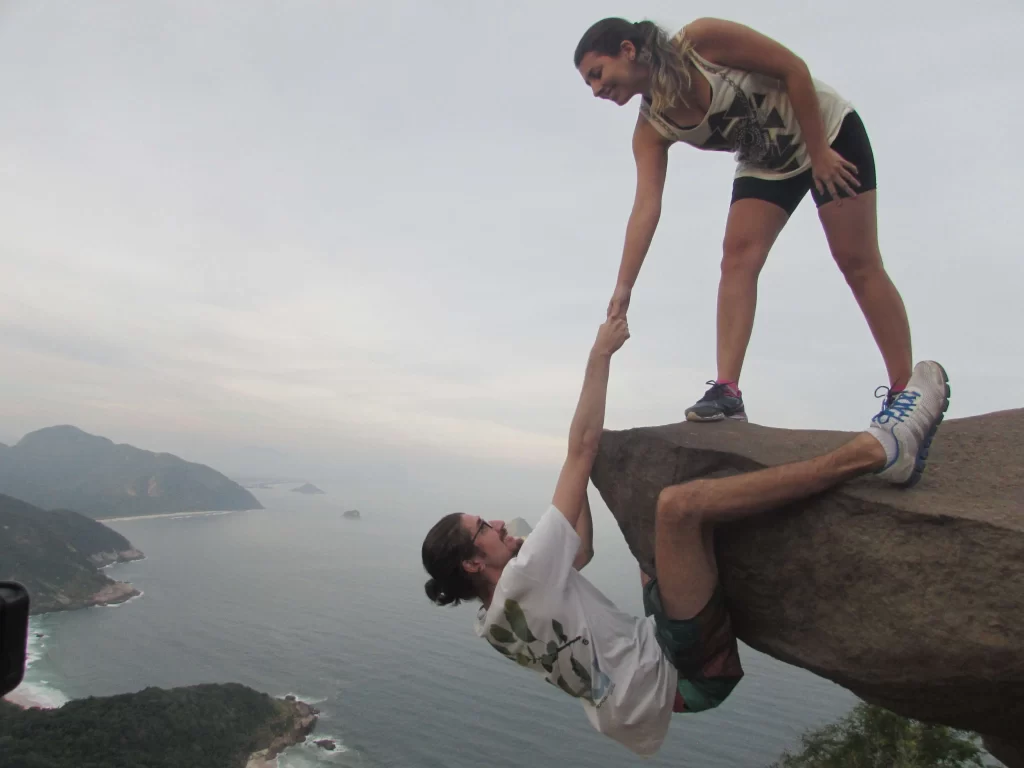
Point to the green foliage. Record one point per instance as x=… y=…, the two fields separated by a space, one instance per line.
x=502 y=635
x=518 y=640
x=517 y=620
x=48 y=552
x=874 y=737
x=204 y=726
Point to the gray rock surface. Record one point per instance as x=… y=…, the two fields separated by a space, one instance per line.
x=911 y=599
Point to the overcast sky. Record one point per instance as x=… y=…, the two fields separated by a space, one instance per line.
x=375 y=239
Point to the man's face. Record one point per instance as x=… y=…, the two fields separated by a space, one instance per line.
x=494 y=546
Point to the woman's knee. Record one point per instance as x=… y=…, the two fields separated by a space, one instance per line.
x=860 y=268
x=743 y=255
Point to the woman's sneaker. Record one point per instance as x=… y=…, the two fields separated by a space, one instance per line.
x=719 y=402
x=906 y=426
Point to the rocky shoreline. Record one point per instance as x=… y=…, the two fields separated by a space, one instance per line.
x=113 y=594
x=106 y=559
x=303 y=720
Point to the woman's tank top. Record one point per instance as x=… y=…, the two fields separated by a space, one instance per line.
x=751 y=115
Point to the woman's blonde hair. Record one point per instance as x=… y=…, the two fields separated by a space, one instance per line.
x=667 y=57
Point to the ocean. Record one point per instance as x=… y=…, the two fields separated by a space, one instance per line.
x=296 y=599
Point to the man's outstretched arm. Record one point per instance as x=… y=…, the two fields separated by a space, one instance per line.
x=585 y=530
x=588 y=421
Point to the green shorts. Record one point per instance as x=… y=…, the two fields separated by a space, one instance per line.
x=703 y=650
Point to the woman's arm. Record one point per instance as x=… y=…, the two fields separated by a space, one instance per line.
x=650 y=151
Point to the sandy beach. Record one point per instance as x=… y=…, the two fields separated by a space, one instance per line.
x=173 y=515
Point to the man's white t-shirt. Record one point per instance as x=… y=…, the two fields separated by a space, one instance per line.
x=547 y=617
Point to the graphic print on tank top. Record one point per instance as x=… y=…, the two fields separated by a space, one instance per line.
x=757 y=138
x=756 y=133
x=514 y=640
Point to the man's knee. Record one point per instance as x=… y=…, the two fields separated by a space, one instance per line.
x=680 y=505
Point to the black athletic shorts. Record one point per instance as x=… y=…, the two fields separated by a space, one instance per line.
x=851 y=142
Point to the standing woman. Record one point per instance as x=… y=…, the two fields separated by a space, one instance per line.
x=717 y=85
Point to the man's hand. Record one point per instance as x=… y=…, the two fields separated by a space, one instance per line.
x=588 y=421
x=619 y=304
x=611 y=336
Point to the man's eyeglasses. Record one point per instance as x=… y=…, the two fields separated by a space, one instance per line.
x=479 y=528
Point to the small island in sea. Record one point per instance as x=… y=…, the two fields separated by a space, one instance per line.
x=308 y=488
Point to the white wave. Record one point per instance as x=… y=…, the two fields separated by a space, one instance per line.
x=131 y=599
x=34 y=690
x=308 y=755
x=304 y=699
x=37 y=695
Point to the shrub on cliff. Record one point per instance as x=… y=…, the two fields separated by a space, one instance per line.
x=873 y=737
x=202 y=726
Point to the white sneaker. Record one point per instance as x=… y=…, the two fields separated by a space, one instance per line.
x=907 y=424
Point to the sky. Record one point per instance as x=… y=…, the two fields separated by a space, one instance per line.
x=371 y=243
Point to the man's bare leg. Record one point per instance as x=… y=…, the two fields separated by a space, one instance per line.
x=686 y=514
x=692 y=620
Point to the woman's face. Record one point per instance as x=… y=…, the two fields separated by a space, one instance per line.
x=616 y=78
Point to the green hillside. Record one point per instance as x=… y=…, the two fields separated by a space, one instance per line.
x=203 y=726
x=55 y=554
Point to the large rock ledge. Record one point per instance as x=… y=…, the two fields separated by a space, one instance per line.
x=911 y=599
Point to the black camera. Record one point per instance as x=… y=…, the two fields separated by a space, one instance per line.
x=13 y=635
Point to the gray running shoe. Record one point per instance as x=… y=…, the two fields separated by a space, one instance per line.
x=906 y=425
x=718 y=403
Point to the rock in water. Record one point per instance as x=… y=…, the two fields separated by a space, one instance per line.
x=307 y=488
x=912 y=599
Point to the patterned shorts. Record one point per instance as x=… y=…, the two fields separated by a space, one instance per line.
x=703 y=649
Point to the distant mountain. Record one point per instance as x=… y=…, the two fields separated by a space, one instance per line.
x=64 y=467
x=55 y=555
x=518 y=528
x=307 y=488
x=226 y=725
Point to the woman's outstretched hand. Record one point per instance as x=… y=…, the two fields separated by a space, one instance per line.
x=619 y=304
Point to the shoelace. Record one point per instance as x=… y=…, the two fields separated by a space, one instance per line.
x=716 y=390
x=897 y=405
